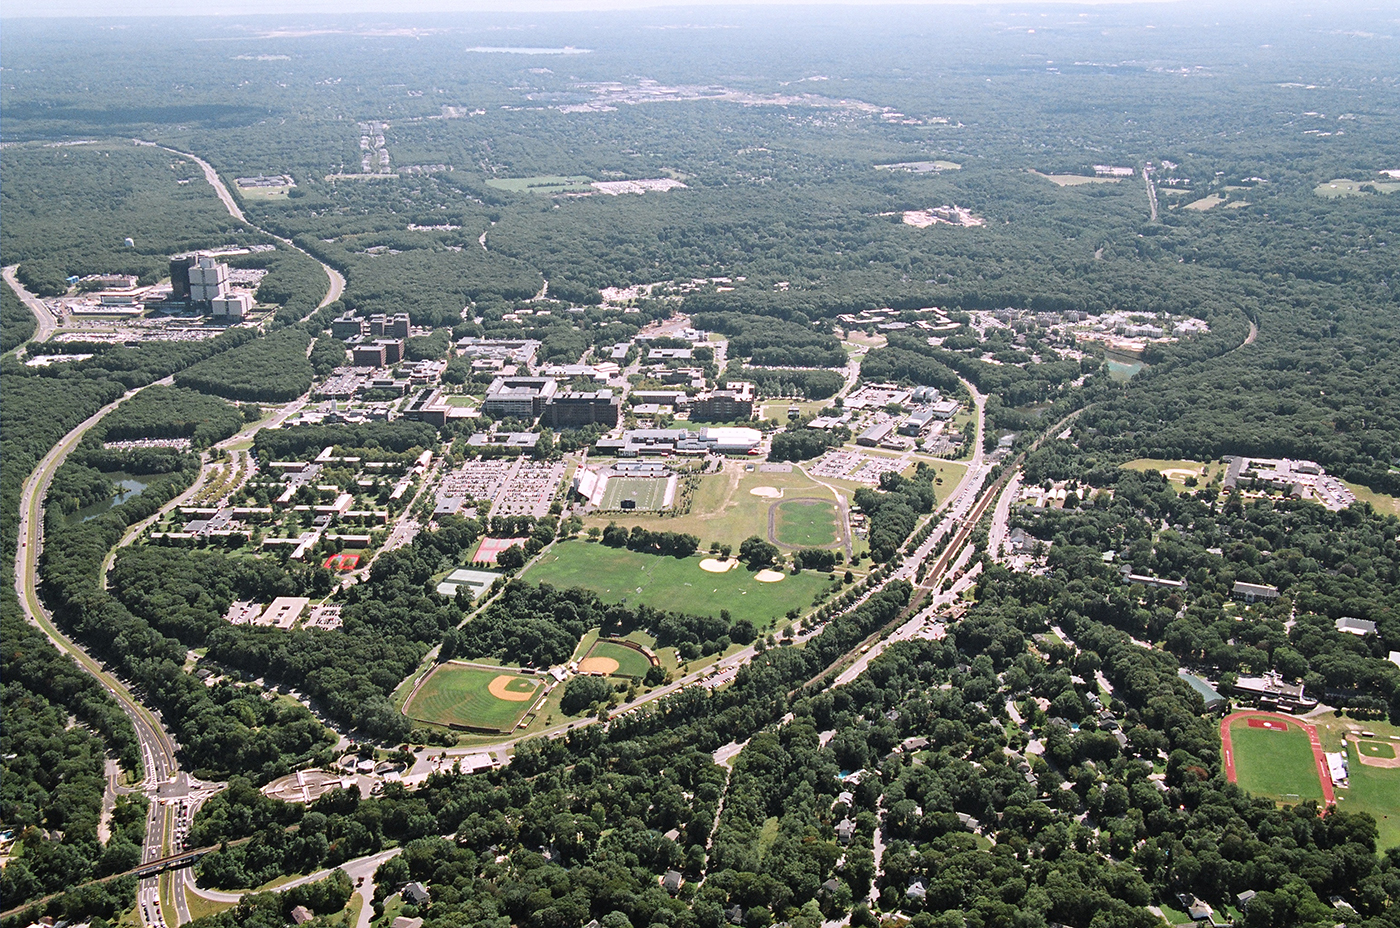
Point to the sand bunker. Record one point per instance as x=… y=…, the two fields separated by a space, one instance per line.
x=604 y=665
x=768 y=576
x=497 y=688
x=715 y=566
x=767 y=492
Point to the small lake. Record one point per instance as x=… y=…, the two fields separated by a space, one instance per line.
x=128 y=486
x=1122 y=367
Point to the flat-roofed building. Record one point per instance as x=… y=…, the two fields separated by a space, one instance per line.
x=874 y=435
x=233 y=305
x=347 y=326
x=518 y=397
x=669 y=354
x=508 y=351
x=659 y=397
x=428 y=406
x=368 y=355
x=917 y=421
x=1271 y=692
x=732 y=403
x=944 y=409
x=393 y=349
x=284 y=611
x=570 y=410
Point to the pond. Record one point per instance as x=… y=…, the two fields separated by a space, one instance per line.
x=128 y=486
x=1122 y=367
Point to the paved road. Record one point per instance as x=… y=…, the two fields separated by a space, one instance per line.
x=157 y=747
x=48 y=322
x=359 y=867
x=337 y=281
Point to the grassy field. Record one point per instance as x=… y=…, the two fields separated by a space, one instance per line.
x=1373 y=789
x=648 y=492
x=807 y=523
x=1276 y=764
x=264 y=194
x=777 y=409
x=619 y=575
x=1205 y=203
x=723 y=510
x=630 y=662
x=544 y=184
x=1074 y=180
x=459 y=695
x=1175 y=471
x=1341 y=187
x=1382 y=503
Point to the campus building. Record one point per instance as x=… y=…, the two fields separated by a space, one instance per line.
x=570 y=410
x=1271 y=692
x=640 y=442
x=347 y=326
x=734 y=402
x=518 y=397
x=1254 y=592
x=367 y=355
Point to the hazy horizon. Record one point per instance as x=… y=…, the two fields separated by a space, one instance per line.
x=66 y=9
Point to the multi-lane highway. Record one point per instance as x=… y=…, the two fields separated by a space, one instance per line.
x=157 y=747
x=46 y=319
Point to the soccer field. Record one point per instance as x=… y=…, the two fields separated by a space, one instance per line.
x=473 y=697
x=677 y=584
x=646 y=492
x=1277 y=764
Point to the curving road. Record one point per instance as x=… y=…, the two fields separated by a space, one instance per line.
x=157 y=747
x=336 y=279
x=47 y=321
x=162 y=779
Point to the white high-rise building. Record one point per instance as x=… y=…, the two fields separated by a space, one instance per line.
x=208 y=279
x=234 y=304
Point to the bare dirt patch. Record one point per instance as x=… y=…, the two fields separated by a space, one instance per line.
x=767 y=492
x=498 y=688
x=601 y=665
x=713 y=565
x=768 y=576
x=1373 y=760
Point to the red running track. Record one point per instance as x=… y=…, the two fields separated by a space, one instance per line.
x=1323 y=777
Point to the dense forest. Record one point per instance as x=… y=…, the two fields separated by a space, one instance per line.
x=801 y=140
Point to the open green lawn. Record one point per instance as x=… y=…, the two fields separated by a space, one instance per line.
x=458 y=695
x=807 y=523
x=1276 y=764
x=722 y=509
x=630 y=662
x=1341 y=187
x=1176 y=472
x=1375 y=790
x=618 y=575
x=1075 y=180
x=544 y=184
x=1382 y=503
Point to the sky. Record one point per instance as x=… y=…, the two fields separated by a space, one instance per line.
x=92 y=8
